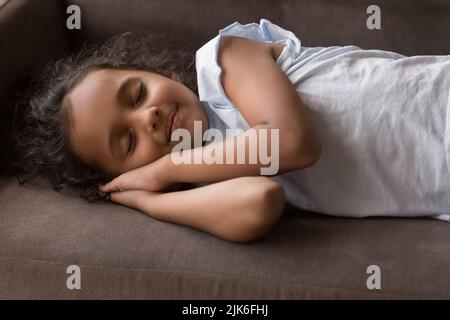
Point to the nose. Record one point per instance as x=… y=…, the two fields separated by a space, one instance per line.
x=152 y=119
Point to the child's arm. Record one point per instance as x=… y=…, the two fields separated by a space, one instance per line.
x=241 y=209
x=268 y=100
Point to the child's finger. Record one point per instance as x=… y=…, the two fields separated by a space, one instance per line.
x=112 y=186
x=126 y=181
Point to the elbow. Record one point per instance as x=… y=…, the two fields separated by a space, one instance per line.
x=314 y=151
x=265 y=210
x=304 y=152
x=313 y=146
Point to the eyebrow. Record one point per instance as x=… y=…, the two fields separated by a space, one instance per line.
x=119 y=96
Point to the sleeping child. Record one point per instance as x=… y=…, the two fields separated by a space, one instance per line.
x=359 y=132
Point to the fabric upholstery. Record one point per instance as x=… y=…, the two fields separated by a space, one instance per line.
x=123 y=253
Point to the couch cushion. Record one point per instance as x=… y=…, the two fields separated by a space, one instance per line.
x=408 y=27
x=123 y=253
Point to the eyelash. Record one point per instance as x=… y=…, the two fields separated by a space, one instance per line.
x=141 y=95
x=130 y=143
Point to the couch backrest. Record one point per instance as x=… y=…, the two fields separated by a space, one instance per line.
x=410 y=27
x=31 y=32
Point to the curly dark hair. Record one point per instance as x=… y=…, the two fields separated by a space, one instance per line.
x=40 y=137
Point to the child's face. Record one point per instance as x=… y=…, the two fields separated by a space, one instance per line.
x=103 y=119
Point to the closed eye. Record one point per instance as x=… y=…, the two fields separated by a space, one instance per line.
x=141 y=94
x=130 y=143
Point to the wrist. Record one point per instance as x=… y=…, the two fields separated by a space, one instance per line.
x=169 y=169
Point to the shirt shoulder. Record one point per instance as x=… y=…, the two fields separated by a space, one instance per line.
x=206 y=59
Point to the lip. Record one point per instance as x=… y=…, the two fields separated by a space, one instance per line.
x=171 y=123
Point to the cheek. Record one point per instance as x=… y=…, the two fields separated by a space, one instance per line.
x=149 y=152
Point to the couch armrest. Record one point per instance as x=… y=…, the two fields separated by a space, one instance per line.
x=31 y=32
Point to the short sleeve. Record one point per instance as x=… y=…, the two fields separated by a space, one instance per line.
x=208 y=70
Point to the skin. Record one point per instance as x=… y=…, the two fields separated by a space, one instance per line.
x=267 y=99
x=95 y=113
x=245 y=205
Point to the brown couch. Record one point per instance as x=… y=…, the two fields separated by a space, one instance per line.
x=123 y=253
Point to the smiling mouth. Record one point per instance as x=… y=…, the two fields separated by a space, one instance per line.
x=170 y=124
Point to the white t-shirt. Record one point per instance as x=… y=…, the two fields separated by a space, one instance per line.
x=381 y=116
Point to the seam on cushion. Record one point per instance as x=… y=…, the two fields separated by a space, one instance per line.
x=229 y=276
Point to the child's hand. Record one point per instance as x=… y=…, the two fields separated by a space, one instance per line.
x=151 y=177
x=135 y=199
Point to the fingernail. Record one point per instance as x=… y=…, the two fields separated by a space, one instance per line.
x=100 y=187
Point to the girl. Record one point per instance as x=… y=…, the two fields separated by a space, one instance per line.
x=362 y=132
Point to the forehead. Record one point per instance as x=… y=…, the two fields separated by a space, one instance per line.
x=92 y=104
x=95 y=81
